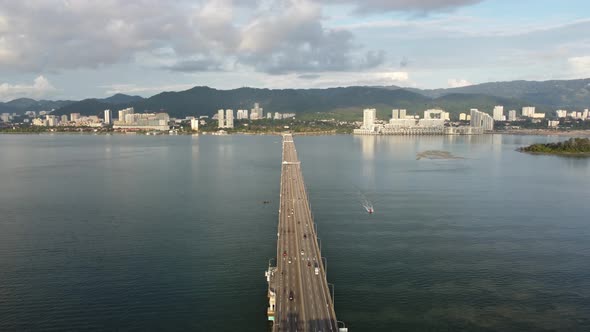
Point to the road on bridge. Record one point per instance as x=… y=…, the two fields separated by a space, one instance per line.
x=303 y=297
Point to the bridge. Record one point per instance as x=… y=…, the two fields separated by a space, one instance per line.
x=299 y=297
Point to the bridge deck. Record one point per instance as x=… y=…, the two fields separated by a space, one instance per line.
x=303 y=301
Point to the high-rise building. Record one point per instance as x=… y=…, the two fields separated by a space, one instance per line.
x=369 y=117
x=220 y=119
x=512 y=115
x=561 y=113
x=528 y=111
x=498 y=113
x=395 y=114
x=52 y=120
x=481 y=119
x=402 y=114
x=585 y=115
x=74 y=117
x=257 y=112
x=64 y=119
x=108 y=116
x=242 y=114
x=462 y=117
x=195 y=124
x=229 y=118
x=123 y=113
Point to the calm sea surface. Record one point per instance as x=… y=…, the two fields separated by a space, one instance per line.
x=170 y=233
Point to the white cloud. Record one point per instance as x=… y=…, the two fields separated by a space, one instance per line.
x=458 y=83
x=41 y=87
x=580 y=65
x=419 y=6
x=396 y=76
x=275 y=36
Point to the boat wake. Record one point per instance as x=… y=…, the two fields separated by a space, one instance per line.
x=366 y=203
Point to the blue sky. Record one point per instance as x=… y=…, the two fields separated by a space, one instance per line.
x=74 y=49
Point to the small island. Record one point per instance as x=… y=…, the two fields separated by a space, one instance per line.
x=578 y=147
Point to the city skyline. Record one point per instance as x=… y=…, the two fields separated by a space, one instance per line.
x=283 y=44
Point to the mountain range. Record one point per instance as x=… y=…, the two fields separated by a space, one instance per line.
x=345 y=102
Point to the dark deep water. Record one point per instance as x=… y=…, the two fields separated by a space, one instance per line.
x=170 y=233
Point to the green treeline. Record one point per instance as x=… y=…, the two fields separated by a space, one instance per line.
x=573 y=145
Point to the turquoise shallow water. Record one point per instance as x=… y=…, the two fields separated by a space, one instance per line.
x=170 y=233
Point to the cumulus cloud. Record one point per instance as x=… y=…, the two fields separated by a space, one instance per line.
x=296 y=41
x=40 y=87
x=416 y=6
x=458 y=83
x=580 y=65
x=275 y=36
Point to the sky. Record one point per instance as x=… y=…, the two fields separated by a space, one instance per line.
x=75 y=49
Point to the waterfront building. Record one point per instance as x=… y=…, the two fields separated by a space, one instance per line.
x=5 y=117
x=278 y=116
x=73 y=116
x=220 y=118
x=401 y=123
x=585 y=115
x=64 y=120
x=257 y=112
x=108 y=116
x=481 y=119
x=552 y=123
x=52 y=120
x=438 y=114
x=512 y=115
x=462 y=117
x=432 y=124
x=369 y=117
x=242 y=114
x=528 y=111
x=124 y=112
x=142 y=121
x=229 y=118
x=195 y=124
x=402 y=114
x=561 y=113
x=498 y=113
x=39 y=122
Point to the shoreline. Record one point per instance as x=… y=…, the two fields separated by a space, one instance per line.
x=523 y=132
x=546 y=132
